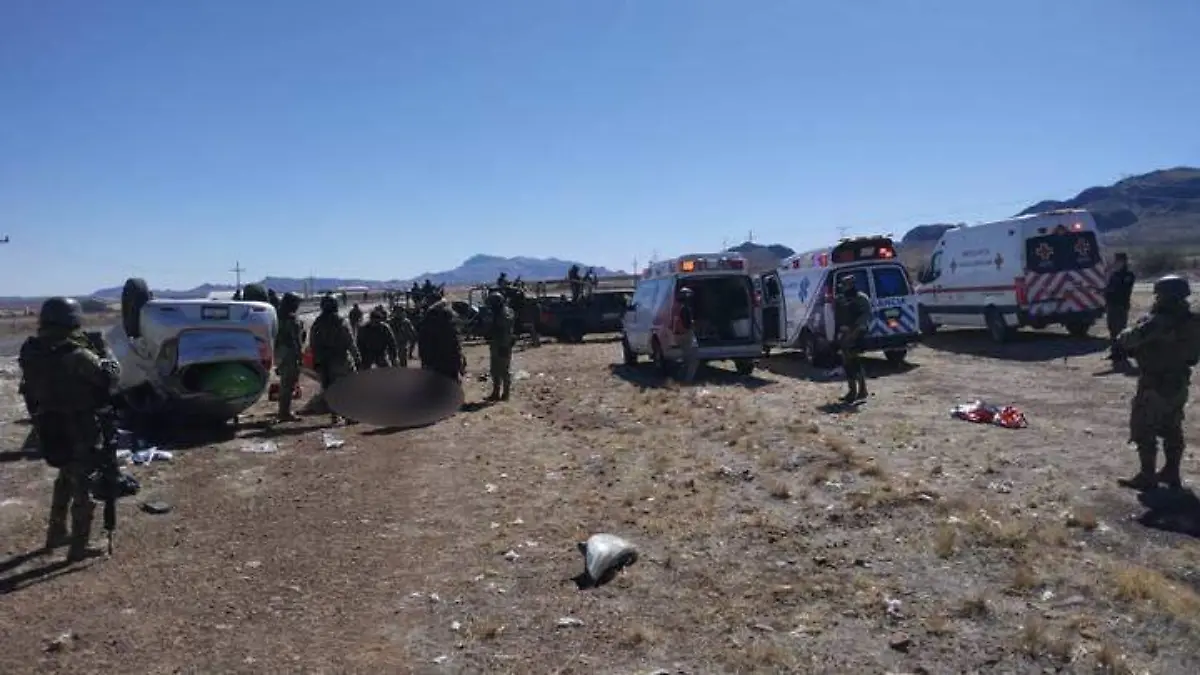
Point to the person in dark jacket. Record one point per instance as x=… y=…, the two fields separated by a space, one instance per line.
x=440 y=346
x=852 y=317
x=1117 y=296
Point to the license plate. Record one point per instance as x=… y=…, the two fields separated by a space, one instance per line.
x=214 y=313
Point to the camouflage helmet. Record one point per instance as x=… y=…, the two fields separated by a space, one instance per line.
x=61 y=312
x=1172 y=288
x=378 y=314
x=255 y=293
x=329 y=304
x=495 y=299
x=847 y=281
x=290 y=302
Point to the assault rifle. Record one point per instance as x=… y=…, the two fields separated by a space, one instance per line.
x=109 y=485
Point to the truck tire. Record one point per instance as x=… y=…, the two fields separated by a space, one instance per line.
x=572 y=331
x=895 y=356
x=744 y=366
x=665 y=367
x=630 y=357
x=928 y=327
x=1078 y=329
x=998 y=331
x=817 y=356
x=134 y=297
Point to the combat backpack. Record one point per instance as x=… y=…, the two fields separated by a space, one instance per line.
x=56 y=431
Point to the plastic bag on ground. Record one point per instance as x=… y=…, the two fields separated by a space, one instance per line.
x=980 y=412
x=603 y=556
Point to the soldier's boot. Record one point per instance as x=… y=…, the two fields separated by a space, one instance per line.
x=285 y=406
x=60 y=502
x=862 y=385
x=852 y=381
x=56 y=533
x=495 y=395
x=1169 y=476
x=1147 y=476
x=81 y=535
x=505 y=389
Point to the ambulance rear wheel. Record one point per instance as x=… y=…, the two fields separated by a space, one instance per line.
x=998 y=330
x=895 y=356
x=660 y=359
x=630 y=357
x=928 y=327
x=744 y=366
x=1079 y=329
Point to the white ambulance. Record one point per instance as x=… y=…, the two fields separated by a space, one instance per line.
x=799 y=298
x=1036 y=270
x=725 y=308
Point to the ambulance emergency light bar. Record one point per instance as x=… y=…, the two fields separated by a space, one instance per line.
x=1062 y=229
x=858 y=251
x=701 y=264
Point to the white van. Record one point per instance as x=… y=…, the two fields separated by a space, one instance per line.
x=1036 y=270
x=725 y=312
x=799 y=299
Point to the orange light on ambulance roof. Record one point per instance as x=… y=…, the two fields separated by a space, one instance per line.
x=687 y=266
x=1077 y=227
x=886 y=252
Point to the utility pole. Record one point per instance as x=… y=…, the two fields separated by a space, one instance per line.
x=842 y=232
x=750 y=236
x=237 y=270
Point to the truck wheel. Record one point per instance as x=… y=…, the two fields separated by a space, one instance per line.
x=1079 y=329
x=572 y=332
x=630 y=356
x=818 y=357
x=895 y=356
x=999 y=331
x=744 y=366
x=134 y=297
x=660 y=359
x=928 y=327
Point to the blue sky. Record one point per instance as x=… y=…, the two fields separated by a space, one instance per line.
x=383 y=138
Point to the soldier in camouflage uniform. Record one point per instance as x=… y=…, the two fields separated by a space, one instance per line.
x=335 y=353
x=440 y=344
x=68 y=380
x=376 y=343
x=500 y=345
x=289 y=345
x=852 y=317
x=1166 y=345
x=356 y=317
x=406 y=335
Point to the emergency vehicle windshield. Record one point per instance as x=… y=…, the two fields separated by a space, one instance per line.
x=1062 y=251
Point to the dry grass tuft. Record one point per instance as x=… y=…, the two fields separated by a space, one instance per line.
x=944 y=540
x=1025 y=579
x=975 y=607
x=1083 y=518
x=1110 y=661
x=779 y=489
x=639 y=636
x=486 y=628
x=1037 y=640
x=1140 y=585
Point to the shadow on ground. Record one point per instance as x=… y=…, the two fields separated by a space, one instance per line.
x=1026 y=346
x=647 y=377
x=1176 y=511
x=794 y=365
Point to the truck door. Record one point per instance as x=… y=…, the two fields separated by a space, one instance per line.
x=772 y=309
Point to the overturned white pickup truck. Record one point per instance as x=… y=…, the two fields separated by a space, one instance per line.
x=205 y=360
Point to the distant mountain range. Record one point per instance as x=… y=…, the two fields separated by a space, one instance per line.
x=474 y=270
x=1160 y=208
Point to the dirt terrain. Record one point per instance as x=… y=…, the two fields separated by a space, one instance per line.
x=775 y=536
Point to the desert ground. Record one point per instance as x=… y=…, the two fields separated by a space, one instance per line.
x=775 y=534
